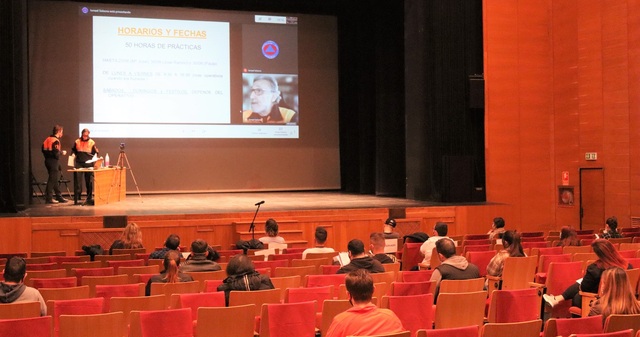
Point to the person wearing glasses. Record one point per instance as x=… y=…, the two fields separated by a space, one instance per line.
x=265 y=101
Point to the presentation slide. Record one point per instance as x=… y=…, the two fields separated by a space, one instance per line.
x=171 y=78
x=160 y=71
x=204 y=99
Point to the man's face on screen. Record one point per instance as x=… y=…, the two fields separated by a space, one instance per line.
x=262 y=97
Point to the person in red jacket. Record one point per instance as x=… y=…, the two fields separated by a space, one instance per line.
x=364 y=318
x=51 y=151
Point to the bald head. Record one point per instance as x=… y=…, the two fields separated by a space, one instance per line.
x=446 y=247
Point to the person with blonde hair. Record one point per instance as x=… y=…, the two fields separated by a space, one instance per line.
x=131 y=238
x=616 y=296
x=171 y=272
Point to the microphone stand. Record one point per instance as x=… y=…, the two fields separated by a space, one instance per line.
x=252 y=227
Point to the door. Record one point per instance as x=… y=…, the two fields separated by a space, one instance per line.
x=591 y=198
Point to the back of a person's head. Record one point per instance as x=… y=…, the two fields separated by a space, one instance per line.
x=56 y=128
x=499 y=222
x=321 y=235
x=199 y=246
x=607 y=254
x=446 y=247
x=569 y=237
x=612 y=222
x=617 y=295
x=359 y=284
x=271 y=227
x=15 y=269
x=171 y=263
x=441 y=228
x=377 y=240
x=132 y=236
x=356 y=247
x=240 y=264
x=512 y=243
x=567 y=232
x=173 y=242
x=390 y=222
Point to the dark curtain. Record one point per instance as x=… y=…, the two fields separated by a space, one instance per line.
x=443 y=48
x=372 y=122
x=14 y=162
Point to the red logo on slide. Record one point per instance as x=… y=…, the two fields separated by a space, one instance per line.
x=270 y=49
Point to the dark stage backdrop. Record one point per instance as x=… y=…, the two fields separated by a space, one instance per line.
x=60 y=61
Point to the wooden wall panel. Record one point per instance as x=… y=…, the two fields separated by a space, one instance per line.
x=616 y=108
x=535 y=75
x=16 y=235
x=565 y=148
x=634 y=104
x=502 y=92
x=585 y=55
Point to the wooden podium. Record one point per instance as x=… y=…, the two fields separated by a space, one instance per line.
x=109 y=184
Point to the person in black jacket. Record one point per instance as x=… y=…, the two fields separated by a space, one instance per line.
x=51 y=150
x=242 y=276
x=197 y=260
x=360 y=260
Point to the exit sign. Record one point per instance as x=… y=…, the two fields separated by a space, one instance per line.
x=591 y=156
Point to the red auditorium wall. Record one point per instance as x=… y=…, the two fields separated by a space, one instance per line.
x=562 y=79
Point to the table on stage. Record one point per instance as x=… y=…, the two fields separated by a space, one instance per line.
x=109 y=184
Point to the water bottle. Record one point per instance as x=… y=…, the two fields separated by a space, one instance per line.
x=106 y=160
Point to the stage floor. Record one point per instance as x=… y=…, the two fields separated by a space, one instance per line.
x=222 y=203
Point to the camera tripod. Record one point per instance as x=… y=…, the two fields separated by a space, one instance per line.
x=122 y=158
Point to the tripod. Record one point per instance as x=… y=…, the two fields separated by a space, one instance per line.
x=122 y=158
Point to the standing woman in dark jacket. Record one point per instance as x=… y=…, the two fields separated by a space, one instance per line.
x=242 y=276
x=608 y=257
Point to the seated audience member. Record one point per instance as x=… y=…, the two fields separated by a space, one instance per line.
x=608 y=257
x=320 y=239
x=616 y=295
x=13 y=289
x=440 y=232
x=172 y=243
x=271 y=228
x=568 y=237
x=364 y=318
x=453 y=267
x=198 y=261
x=171 y=273
x=131 y=238
x=388 y=228
x=360 y=260
x=377 y=249
x=610 y=230
x=497 y=228
x=512 y=248
x=242 y=275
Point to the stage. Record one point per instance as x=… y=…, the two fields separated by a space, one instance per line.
x=207 y=203
x=224 y=218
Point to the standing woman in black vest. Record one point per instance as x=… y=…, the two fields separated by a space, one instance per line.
x=84 y=148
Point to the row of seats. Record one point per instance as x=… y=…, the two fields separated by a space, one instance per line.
x=508 y=312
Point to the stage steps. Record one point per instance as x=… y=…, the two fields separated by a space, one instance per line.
x=290 y=230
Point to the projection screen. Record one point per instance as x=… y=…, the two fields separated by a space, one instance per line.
x=201 y=100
